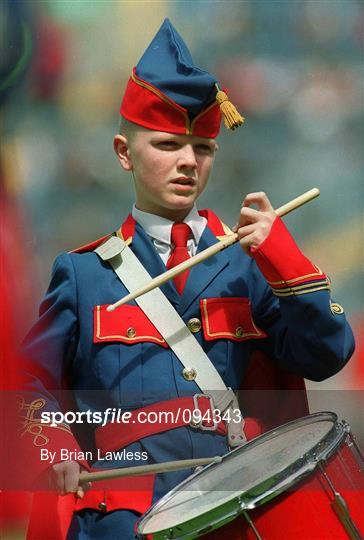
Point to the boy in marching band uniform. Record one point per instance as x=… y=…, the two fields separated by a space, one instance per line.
x=260 y=293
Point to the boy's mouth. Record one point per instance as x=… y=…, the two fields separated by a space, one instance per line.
x=184 y=181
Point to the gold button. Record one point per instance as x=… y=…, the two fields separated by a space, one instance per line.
x=336 y=308
x=194 y=325
x=194 y=423
x=189 y=373
x=102 y=506
x=239 y=332
x=131 y=332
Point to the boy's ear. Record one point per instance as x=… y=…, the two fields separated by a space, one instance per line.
x=122 y=150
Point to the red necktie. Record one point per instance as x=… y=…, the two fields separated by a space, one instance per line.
x=179 y=236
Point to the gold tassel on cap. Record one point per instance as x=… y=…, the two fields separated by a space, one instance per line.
x=232 y=118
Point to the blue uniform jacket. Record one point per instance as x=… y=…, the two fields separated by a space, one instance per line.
x=71 y=347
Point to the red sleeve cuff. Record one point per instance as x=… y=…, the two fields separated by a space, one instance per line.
x=45 y=448
x=284 y=266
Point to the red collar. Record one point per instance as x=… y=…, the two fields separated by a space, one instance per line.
x=127 y=230
x=215 y=225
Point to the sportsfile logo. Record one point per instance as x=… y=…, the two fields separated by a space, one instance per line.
x=113 y=415
x=56 y=418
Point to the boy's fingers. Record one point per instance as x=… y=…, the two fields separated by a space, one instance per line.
x=80 y=493
x=259 y=198
x=245 y=230
x=249 y=215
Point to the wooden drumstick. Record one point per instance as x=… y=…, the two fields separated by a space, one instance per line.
x=212 y=250
x=167 y=466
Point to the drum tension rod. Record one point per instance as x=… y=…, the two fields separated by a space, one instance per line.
x=340 y=507
x=247 y=517
x=352 y=442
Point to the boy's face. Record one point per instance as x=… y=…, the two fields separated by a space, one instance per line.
x=170 y=171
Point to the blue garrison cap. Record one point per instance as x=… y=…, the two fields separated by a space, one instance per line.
x=167 y=92
x=167 y=64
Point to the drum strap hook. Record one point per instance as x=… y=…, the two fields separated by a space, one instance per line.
x=226 y=401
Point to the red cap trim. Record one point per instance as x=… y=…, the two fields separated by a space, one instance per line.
x=147 y=106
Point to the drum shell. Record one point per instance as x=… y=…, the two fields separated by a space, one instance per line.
x=304 y=512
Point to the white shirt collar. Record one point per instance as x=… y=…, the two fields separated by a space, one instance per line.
x=160 y=228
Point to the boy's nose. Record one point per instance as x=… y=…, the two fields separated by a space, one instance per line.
x=187 y=157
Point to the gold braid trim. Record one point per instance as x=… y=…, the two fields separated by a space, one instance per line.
x=32 y=425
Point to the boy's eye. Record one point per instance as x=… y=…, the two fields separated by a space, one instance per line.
x=171 y=145
x=167 y=145
x=204 y=149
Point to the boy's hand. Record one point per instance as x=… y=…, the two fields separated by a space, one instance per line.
x=65 y=479
x=254 y=226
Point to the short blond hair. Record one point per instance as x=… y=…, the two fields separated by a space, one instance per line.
x=127 y=128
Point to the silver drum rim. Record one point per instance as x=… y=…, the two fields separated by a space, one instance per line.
x=288 y=476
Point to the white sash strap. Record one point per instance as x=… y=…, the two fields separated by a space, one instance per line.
x=165 y=318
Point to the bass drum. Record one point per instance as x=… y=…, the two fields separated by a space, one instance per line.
x=312 y=464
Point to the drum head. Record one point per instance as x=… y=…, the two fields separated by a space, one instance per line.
x=247 y=477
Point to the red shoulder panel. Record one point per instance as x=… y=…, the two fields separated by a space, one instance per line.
x=214 y=223
x=127 y=229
